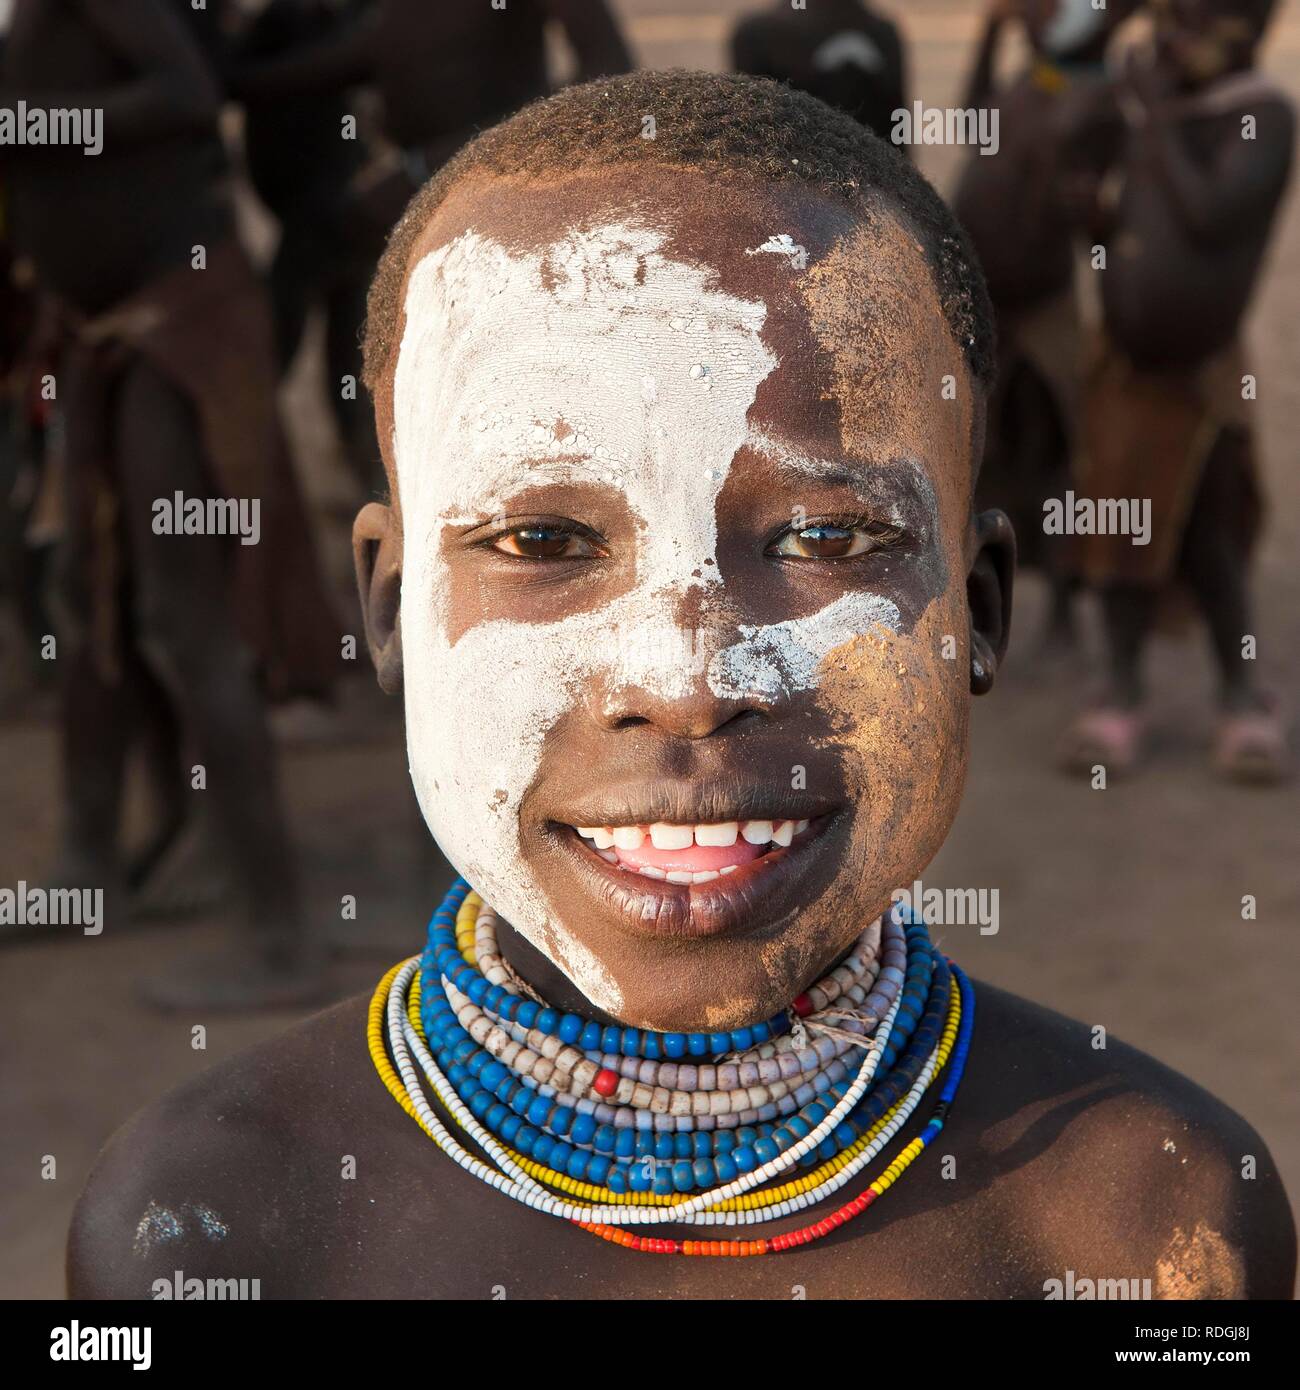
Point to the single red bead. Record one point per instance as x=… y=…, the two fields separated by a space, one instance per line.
x=803 y=1006
x=606 y=1082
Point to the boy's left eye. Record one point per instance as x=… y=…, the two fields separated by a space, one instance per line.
x=823 y=542
x=545 y=543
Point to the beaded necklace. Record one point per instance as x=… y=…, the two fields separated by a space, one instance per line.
x=612 y=1127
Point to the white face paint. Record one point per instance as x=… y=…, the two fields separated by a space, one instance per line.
x=653 y=370
x=782 y=244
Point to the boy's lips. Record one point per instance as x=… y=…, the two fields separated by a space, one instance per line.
x=770 y=867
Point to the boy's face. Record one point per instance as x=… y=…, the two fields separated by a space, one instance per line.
x=684 y=476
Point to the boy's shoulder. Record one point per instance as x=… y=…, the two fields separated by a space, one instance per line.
x=249 y=1170
x=1124 y=1157
x=291 y=1163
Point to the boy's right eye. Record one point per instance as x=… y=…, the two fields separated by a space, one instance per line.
x=547 y=542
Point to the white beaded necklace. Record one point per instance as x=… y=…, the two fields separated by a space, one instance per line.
x=516 y=1183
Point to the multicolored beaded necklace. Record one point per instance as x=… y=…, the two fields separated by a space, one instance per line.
x=611 y=1127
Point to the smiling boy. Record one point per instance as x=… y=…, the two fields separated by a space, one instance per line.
x=680 y=578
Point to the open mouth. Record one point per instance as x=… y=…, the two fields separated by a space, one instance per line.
x=708 y=855
x=691 y=854
x=741 y=876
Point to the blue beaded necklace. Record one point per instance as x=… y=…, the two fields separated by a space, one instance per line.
x=443 y=955
x=557 y=1131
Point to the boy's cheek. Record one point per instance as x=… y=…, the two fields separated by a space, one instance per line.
x=901 y=709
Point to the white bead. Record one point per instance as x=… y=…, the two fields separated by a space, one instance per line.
x=698 y=1210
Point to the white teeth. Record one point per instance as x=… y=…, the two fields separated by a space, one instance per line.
x=680 y=876
x=722 y=834
x=651 y=872
x=608 y=856
x=597 y=834
x=670 y=836
x=704 y=875
x=714 y=834
x=729 y=868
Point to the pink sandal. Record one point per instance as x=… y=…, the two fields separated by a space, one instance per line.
x=1107 y=736
x=1251 y=746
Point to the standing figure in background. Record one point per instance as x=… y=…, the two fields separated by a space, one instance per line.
x=23 y=415
x=1186 y=215
x=839 y=50
x=1017 y=207
x=301 y=162
x=166 y=386
x=443 y=72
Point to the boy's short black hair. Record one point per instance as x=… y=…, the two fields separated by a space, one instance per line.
x=731 y=123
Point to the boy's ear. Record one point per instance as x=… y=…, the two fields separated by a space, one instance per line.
x=377 y=553
x=988 y=596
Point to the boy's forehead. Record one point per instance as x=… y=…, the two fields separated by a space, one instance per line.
x=844 y=303
x=705 y=221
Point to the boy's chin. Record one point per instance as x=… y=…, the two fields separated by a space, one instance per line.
x=683 y=1002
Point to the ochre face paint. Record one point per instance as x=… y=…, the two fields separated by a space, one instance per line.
x=606 y=364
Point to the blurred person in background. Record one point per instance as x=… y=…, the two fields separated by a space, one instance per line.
x=1187 y=211
x=443 y=72
x=23 y=418
x=839 y=50
x=302 y=156
x=166 y=385
x=1017 y=206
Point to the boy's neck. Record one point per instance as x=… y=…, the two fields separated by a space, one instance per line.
x=550 y=982
x=554 y=986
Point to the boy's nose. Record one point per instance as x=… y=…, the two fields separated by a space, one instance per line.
x=659 y=674
x=694 y=714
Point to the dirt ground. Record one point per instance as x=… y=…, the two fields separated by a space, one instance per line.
x=1120 y=907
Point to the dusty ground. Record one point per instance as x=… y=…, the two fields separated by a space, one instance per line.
x=1121 y=907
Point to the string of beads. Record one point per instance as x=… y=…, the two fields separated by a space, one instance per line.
x=608 y=1154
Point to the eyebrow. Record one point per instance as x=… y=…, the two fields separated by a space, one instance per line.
x=794 y=464
x=525 y=467
x=581 y=459
x=863 y=479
